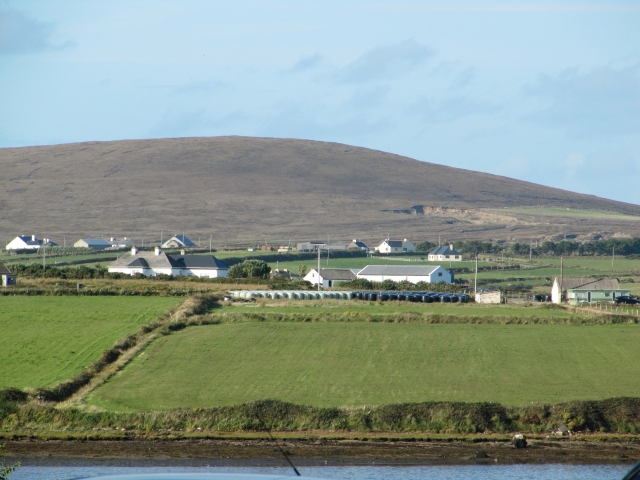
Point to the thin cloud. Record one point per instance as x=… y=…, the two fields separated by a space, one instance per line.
x=307 y=63
x=385 y=62
x=20 y=34
x=602 y=101
x=191 y=87
x=449 y=109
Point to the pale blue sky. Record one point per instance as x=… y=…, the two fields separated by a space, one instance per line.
x=547 y=92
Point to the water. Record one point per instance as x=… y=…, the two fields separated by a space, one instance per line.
x=450 y=472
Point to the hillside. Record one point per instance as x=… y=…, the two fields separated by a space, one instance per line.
x=244 y=189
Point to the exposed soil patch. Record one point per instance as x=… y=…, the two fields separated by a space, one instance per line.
x=334 y=452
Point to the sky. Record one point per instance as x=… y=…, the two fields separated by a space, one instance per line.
x=547 y=92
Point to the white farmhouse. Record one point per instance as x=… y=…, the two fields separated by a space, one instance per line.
x=94 y=243
x=158 y=263
x=399 y=273
x=28 y=242
x=178 y=241
x=445 y=253
x=396 y=246
x=330 y=277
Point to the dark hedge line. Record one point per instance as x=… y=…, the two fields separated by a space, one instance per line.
x=615 y=415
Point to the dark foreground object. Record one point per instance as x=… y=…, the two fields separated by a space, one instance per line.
x=317 y=452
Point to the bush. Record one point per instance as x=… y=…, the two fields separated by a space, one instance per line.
x=250 y=269
x=12 y=394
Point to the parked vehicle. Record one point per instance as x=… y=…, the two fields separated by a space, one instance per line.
x=626 y=299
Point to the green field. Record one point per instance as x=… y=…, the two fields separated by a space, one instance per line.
x=49 y=339
x=350 y=364
x=345 y=307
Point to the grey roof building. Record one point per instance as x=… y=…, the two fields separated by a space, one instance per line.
x=178 y=241
x=6 y=277
x=445 y=252
x=158 y=262
x=95 y=243
x=413 y=274
x=330 y=277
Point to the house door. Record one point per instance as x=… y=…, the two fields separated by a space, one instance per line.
x=589 y=297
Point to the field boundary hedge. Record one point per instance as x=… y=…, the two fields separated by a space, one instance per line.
x=614 y=415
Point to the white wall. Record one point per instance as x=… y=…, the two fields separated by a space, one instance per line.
x=312 y=277
x=197 y=272
x=433 y=278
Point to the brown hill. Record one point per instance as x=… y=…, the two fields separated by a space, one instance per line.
x=245 y=189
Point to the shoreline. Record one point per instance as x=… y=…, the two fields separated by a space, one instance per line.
x=320 y=452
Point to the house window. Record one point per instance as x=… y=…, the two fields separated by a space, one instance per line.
x=439 y=274
x=606 y=294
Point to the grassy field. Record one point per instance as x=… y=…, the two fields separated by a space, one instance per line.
x=345 y=307
x=349 y=364
x=48 y=339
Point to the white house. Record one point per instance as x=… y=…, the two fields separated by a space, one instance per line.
x=28 y=242
x=6 y=277
x=577 y=290
x=330 y=277
x=399 y=273
x=95 y=243
x=445 y=253
x=178 y=241
x=117 y=243
x=358 y=245
x=396 y=246
x=157 y=263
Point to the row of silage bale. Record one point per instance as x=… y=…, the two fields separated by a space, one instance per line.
x=290 y=294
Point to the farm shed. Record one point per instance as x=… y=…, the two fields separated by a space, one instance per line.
x=6 y=276
x=589 y=290
x=399 y=273
x=157 y=262
x=330 y=277
x=445 y=253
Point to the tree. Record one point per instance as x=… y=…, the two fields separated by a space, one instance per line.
x=302 y=270
x=250 y=269
x=5 y=470
x=425 y=246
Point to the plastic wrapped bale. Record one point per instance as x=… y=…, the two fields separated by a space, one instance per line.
x=519 y=441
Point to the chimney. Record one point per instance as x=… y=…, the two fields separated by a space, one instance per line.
x=405 y=239
x=157 y=251
x=112 y=239
x=451 y=246
x=33 y=237
x=354 y=240
x=134 y=250
x=182 y=252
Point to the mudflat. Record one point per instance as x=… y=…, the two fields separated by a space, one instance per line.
x=326 y=451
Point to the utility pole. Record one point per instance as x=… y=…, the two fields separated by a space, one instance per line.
x=475 y=279
x=613 y=255
x=318 y=267
x=44 y=259
x=161 y=235
x=530 y=249
x=64 y=242
x=210 y=240
x=561 y=280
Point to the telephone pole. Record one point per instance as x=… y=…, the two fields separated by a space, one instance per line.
x=318 y=267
